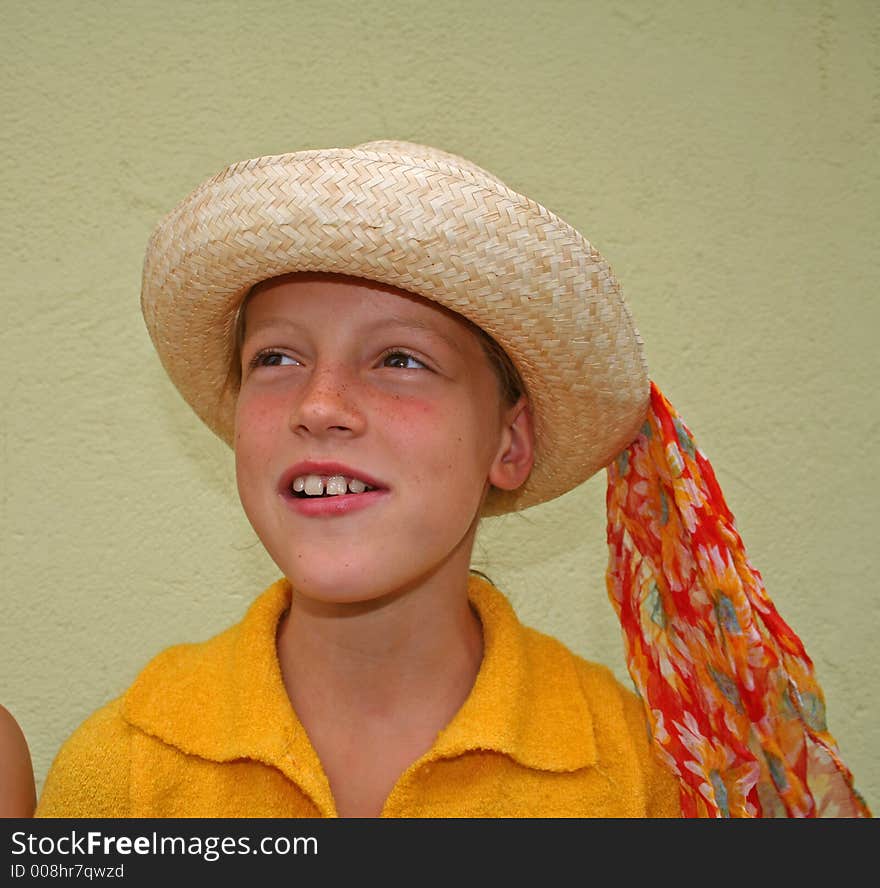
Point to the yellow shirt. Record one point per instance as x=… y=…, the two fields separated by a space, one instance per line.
x=207 y=730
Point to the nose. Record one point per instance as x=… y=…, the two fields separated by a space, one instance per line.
x=328 y=403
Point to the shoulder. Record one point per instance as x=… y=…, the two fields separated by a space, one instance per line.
x=595 y=679
x=619 y=723
x=17 y=793
x=90 y=774
x=185 y=698
x=612 y=705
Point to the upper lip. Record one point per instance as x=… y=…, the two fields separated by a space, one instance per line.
x=318 y=467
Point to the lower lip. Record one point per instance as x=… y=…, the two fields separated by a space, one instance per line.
x=333 y=506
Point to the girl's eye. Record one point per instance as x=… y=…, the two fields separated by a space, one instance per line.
x=402 y=360
x=271 y=359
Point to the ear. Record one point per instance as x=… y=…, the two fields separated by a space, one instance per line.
x=516 y=450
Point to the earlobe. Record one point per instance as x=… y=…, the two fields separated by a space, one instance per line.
x=516 y=453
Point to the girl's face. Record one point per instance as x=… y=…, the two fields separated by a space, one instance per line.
x=369 y=427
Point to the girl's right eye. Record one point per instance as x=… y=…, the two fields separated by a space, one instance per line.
x=270 y=358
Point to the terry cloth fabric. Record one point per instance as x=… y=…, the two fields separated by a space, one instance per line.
x=207 y=730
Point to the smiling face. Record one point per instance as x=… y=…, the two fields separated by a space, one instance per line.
x=369 y=427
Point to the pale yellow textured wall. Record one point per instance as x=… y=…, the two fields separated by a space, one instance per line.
x=722 y=155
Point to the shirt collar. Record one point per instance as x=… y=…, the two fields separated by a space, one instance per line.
x=527 y=700
x=224 y=699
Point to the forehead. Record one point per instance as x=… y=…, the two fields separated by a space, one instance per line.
x=316 y=295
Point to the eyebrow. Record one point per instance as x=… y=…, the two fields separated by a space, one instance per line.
x=266 y=323
x=379 y=323
x=416 y=324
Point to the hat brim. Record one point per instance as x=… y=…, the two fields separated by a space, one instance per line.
x=444 y=230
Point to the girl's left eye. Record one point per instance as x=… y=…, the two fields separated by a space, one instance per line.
x=402 y=360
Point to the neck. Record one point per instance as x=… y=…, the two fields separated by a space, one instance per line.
x=416 y=647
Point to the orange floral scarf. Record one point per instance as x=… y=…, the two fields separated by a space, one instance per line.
x=729 y=691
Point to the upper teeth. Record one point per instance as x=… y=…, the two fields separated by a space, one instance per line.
x=332 y=485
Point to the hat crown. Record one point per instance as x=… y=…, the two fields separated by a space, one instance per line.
x=417 y=150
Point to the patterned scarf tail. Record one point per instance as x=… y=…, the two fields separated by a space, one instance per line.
x=729 y=691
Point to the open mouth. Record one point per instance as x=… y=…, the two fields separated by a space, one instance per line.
x=317 y=486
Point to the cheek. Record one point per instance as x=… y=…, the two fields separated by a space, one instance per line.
x=443 y=437
x=258 y=421
x=256 y=414
x=417 y=425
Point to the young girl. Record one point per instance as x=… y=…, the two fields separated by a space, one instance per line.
x=396 y=344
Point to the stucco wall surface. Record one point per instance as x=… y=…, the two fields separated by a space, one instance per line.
x=722 y=156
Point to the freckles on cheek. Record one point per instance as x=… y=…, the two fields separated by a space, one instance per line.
x=413 y=421
x=259 y=412
x=434 y=432
x=257 y=423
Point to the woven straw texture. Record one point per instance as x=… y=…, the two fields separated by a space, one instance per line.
x=428 y=222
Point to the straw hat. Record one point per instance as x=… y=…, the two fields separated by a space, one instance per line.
x=425 y=221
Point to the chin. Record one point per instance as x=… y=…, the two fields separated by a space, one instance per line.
x=336 y=587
